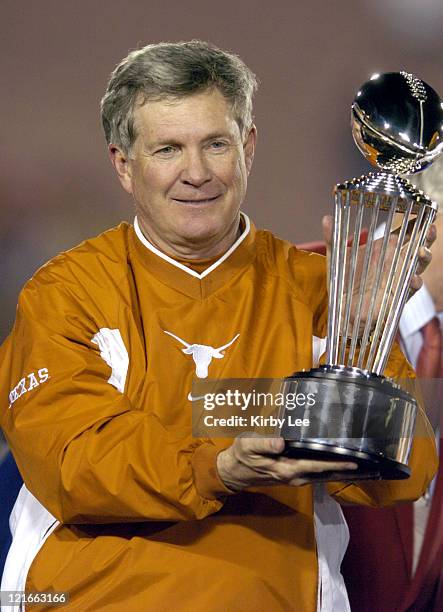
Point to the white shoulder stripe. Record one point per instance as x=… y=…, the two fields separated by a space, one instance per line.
x=318 y=348
x=113 y=351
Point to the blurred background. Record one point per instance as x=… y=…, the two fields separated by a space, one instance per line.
x=57 y=186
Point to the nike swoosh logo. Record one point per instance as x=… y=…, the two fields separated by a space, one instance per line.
x=195 y=398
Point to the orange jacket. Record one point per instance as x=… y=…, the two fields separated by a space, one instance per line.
x=99 y=423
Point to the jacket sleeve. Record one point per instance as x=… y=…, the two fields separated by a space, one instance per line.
x=423 y=460
x=84 y=450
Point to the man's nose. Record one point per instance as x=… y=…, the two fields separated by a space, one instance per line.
x=195 y=171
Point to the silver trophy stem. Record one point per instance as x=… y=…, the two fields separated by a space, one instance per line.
x=334 y=283
x=343 y=268
x=376 y=285
x=401 y=290
x=363 y=280
x=351 y=277
x=368 y=285
x=375 y=340
x=418 y=238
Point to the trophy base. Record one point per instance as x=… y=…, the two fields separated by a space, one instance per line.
x=354 y=416
x=369 y=466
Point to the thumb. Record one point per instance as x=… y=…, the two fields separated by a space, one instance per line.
x=327 y=227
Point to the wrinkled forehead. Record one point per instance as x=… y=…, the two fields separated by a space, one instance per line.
x=206 y=109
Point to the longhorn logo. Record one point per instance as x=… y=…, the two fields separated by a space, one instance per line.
x=202 y=354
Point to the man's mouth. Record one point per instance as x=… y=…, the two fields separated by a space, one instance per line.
x=196 y=201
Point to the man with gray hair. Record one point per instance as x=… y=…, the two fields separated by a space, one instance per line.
x=122 y=507
x=165 y=70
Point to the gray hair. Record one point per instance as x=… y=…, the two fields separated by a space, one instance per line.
x=173 y=70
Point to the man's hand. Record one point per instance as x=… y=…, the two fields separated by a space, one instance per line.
x=252 y=462
x=433 y=276
x=424 y=259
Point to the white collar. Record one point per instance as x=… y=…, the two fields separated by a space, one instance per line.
x=418 y=311
x=177 y=264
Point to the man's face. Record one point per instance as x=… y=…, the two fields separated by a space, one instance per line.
x=187 y=172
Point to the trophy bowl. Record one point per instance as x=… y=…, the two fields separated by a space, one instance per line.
x=380 y=223
x=397 y=122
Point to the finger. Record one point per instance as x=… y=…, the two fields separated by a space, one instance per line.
x=287 y=469
x=424 y=259
x=308 y=465
x=416 y=283
x=304 y=468
x=327 y=228
x=431 y=236
x=328 y=477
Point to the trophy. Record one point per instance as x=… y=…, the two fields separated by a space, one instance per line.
x=380 y=223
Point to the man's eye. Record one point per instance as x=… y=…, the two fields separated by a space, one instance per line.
x=218 y=144
x=169 y=150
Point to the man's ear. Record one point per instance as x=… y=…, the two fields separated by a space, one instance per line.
x=249 y=147
x=121 y=163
